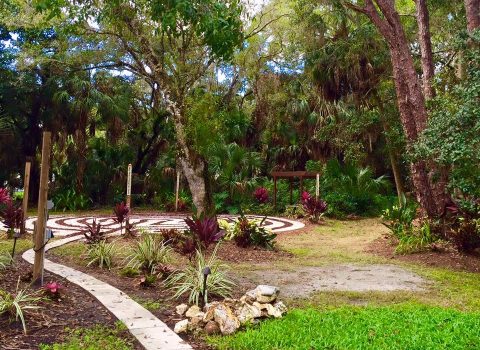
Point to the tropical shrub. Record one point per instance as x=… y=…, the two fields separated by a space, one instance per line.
x=463 y=225
x=399 y=218
x=148 y=254
x=261 y=195
x=121 y=211
x=252 y=233
x=94 y=233
x=12 y=217
x=71 y=200
x=205 y=230
x=416 y=240
x=4 y=197
x=101 y=254
x=14 y=305
x=315 y=208
x=190 y=279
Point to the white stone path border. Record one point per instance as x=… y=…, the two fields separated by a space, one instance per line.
x=152 y=333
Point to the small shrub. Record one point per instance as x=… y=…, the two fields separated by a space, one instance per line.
x=15 y=305
x=416 y=240
x=252 y=233
x=4 y=196
x=130 y=231
x=315 y=208
x=5 y=260
x=127 y=271
x=53 y=290
x=205 y=230
x=190 y=280
x=261 y=195
x=148 y=253
x=101 y=254
x=121 y=211
x=170 y=236
x=71 y=200
x=12 y=216
x=94 y=233
x=399 y=219
x=147 y=280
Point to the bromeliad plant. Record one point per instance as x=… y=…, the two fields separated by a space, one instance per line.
x=53 y=290
x=121 y=212
x=14 y=305
x=315 y=208
x=101 y=254
x=190 y=280
x=205 y=230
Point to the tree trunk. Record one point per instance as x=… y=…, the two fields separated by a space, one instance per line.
x=472 y=9
x=410 y=99
x=193 y=165
x=425 y=41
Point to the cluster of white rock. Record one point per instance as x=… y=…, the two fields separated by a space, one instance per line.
x=228 y=316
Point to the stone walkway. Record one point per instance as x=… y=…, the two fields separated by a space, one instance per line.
x=152 y=333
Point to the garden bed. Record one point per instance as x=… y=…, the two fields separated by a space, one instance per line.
x=53 y=322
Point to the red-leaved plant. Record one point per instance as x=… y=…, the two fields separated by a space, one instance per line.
x=261 y=195
x=12 y=217
x=314 y=207
x=205 y=230
x=53 y=290
x=121 y=211
x=4 y=196
x=94 y=233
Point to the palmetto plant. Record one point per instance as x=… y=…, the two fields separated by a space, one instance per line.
x=15 y=304
x=149 y=253
x=190 y=279
x=101 y=254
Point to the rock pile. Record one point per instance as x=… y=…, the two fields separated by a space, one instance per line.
x=229 y=315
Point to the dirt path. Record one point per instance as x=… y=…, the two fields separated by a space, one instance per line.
x=301 y=282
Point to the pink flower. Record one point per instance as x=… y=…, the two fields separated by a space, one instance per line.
x=53 y=287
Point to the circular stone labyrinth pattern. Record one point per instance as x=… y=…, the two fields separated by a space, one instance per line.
x=69 y=225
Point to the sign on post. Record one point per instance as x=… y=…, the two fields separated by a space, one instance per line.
x=129 y=185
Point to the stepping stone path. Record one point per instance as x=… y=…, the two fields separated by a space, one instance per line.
x=151 y=332
x=68 y=225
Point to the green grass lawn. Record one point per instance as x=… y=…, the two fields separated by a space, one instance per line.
x=404 y=326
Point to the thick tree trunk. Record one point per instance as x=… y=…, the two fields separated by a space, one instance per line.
x=410 y=99
x=425 y=41
x=193 y=166
x=472 y=9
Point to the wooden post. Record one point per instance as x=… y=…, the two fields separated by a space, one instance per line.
x=317 y=187
x=275 y=193
x=129 y=186
x=177 y=190
x=26 y=187
x=42 y=210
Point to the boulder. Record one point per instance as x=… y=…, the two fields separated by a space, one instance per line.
x=226 y=320
x=181 y=326
x=211 y=328
x=181 y=309
x=266 y=294
x=280 y=306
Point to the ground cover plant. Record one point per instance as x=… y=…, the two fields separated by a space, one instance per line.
x=392 y=327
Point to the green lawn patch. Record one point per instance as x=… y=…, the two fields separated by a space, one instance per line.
x=98 y=337
x=373 y=328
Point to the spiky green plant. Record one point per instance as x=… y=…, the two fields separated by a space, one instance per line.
x=15 y=304
x=190 y=279
x=101 y=254
x=148 y=253
x=5 y=260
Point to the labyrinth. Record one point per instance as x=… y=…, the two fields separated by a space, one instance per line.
x=69 y=225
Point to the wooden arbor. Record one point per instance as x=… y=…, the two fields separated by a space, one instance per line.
x=290 y=175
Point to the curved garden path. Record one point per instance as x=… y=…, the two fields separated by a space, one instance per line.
x=151 y=332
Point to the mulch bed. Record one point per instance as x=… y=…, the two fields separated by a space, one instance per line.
x=48 y=324
x=444 y=256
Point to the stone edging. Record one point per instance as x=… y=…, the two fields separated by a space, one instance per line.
x=152 y=333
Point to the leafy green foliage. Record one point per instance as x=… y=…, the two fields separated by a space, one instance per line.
x=5 y=260
x=102 y=254
x=148 y=254
x=70 y=200
x=251 y=233
x=97 y=337
x=16 y=304
x=416 y=240
x=349 y=328
x=399 y=219
x=190 y=279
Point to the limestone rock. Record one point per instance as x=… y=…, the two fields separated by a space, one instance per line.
x=211 y=328
x=181 y=326
x=280 y=306
x=226 y=320
x=266 y=294
x=193 y=311
x=248 y=313
x=181 y=309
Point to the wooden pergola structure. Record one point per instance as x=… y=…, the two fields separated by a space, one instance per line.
x=291 y=175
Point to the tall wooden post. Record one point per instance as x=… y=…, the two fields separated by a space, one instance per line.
x=42 y=210
x=275 y=193
x=317 y=187
x=26 y=188
x=177 y=190
x=129 y=186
